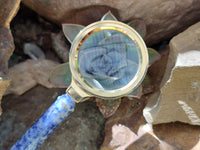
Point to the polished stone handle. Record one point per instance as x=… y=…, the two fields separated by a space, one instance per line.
x=46 y=124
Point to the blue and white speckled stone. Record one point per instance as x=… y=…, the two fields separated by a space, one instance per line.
x=46 y=124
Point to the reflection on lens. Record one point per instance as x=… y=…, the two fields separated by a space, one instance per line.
x=108 y=60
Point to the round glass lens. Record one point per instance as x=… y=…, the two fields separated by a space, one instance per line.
x=108 y=59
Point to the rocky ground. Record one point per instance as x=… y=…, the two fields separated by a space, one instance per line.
x=86 y=128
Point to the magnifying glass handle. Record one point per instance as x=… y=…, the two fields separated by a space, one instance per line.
x=46 y=124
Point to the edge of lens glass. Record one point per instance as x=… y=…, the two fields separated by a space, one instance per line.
x=124 y=29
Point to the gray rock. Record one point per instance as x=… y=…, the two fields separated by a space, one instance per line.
x=82 y=130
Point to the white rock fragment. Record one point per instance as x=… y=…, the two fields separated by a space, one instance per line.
x=122 y=137
x=33 y=51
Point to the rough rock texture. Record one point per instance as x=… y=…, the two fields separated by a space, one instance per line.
x=197 y=146
x=179 y=99
x=182 y=136
x=129 y=114
x=123 y=138
x=163 y=18
x=81 y=130
x=146 y=142
x=4 y=83
x=28 y=74
x=60 y=46
x=8 y=9
x=6 y=47
x=179 y=136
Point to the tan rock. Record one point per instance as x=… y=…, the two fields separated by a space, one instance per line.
x=146 y=142
x=182 y=136
x=22 y=79
x=28 y=74
x=4 y=83
x=41 y=70
x=179 y=96
x=163 y=18
x=8 y=9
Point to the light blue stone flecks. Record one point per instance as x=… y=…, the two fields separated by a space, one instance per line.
x=46 y=124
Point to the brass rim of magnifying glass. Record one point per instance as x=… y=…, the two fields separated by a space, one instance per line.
x=108 y=25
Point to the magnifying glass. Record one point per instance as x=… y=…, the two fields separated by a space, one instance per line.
x=108 y=59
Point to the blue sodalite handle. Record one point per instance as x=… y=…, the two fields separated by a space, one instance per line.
x=46 y=124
